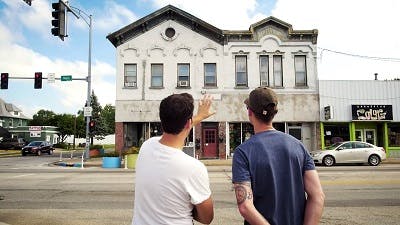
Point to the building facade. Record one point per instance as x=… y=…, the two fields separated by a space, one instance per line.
x=11 y=116
x=171 y=51
x=357 y=110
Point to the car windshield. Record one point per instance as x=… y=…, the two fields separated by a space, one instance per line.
x=35 y=143
x=333 y=146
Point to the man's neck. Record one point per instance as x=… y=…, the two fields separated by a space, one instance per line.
x=261 y=127
x=174 y=141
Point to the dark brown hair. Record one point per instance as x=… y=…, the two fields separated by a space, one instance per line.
x=175 y=110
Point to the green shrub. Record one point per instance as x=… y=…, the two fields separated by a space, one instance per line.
x=132 y=150
x=95 y=146
x=111 y=154
x=61 y=145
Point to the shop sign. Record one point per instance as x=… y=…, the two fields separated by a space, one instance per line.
x=35 y=128
x=372 y=112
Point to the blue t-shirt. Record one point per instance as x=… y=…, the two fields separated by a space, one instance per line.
x=274 y=163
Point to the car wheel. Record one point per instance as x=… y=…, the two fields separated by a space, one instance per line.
x=50 y=152
x=328 y=160
x=38 y=152
x=374 y=160
x=23 y=154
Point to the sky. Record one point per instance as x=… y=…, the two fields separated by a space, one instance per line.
x=357 y=38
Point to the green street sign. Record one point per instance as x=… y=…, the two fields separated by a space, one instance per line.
x=66 y=78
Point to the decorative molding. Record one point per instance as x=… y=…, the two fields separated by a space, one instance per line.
x=164 y=36
x=128 y=47
x=207 y=48
x=182 y=47
x=240 y=52
x=156 y=47
x=299 y=52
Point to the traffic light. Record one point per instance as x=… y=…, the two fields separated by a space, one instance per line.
x=4 y=80
x=91 y=125
x=38 y=80
x=59 y=19
x=29 y=2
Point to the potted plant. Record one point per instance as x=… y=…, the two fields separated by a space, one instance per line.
x=111 y=160
x=131 y=156
x=95 y=150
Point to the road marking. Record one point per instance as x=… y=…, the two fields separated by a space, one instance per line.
x=358 y=182
x=23 y=175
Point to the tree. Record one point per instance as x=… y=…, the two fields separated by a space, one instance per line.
x=65 y=124
x=43 y=118
x=100 y=129
x=108 y=116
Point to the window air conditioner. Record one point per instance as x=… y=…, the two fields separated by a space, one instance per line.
x=183 y=83
x=264 y=83
x=130 y=84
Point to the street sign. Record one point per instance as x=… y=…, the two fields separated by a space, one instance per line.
x=51 y=78
x=66 y=78
x=87 y=111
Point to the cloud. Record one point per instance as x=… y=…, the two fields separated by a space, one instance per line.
x=20 y=16
x=112 y=17
x=365 y=28
x=223 y=14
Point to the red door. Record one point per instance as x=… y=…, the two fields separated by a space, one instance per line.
x=210 y=143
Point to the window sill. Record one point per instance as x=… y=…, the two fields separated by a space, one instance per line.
x=241 y=87
x=156 y=87
x=178 y=87
x=125 y=87
x=210 y=87
x=301 y=87
x=277 y=87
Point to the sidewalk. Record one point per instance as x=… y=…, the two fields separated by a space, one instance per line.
x=210 y=163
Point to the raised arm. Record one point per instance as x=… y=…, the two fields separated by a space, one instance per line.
x=204 y=110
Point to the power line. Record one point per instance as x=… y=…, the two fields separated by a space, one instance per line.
x=388 y=59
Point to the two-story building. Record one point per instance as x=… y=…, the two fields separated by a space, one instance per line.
x=11 y=116
x=171 y=51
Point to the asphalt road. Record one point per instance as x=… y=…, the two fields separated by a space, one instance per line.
x=31 y=192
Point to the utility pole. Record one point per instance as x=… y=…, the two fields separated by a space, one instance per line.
x=88 y=20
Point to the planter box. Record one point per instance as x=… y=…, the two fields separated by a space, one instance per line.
x=111 y=162
x=131 y=160
x=94 y=152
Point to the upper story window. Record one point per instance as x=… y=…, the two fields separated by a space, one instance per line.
x=210 y=74
x=264 y=67
x=16 y=113
x=130 y=75
x=300 y=70
x=278 y=73
x=157 y=75
x=241 y=70
x=183 y=75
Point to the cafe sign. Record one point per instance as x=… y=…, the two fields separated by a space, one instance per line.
x=372 y=112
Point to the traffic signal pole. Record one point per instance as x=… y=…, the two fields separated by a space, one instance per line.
x=78 y=14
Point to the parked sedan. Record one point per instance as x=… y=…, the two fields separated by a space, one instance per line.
x=37 y=148
x=350 y=152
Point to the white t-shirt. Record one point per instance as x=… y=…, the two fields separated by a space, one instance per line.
x=168 y=185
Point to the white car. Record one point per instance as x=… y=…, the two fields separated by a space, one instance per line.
x=350 y=152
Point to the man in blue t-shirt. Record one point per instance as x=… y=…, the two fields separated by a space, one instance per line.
x=274 y=176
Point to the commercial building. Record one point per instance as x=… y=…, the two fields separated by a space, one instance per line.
x=367 y=110
x=171 y=51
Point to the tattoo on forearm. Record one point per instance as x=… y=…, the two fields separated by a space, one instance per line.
x=242 y=193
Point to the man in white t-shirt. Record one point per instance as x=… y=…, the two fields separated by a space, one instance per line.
x=172 y=187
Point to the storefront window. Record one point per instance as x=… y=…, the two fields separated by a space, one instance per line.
x=334 y=133
x=394 y=134
x=155 y=129
x=238 y=133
